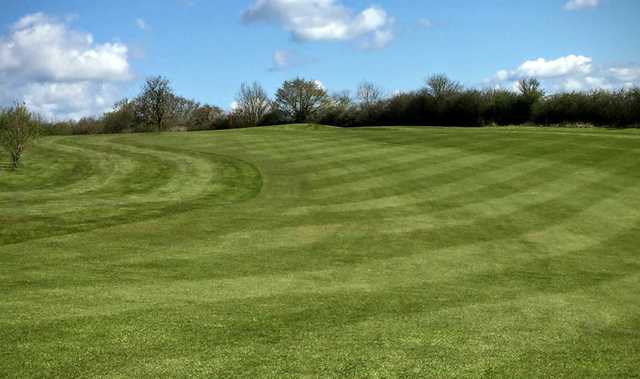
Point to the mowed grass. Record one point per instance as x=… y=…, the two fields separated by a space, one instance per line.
x=312 y=251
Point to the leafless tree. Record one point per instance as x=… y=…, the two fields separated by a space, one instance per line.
x=18 y=129
x=183 y=110
x=301 y=99
x=156 y=103
x=369 y=96
x=342 y=100
x=441 y=86
x=253 y=103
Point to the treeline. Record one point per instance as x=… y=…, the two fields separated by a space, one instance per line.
x=441 y=102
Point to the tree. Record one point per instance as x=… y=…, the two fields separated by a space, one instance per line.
x=440 y=86
x=339 y=110
x=182 y=110
x=18 y=129
x=370 y=97
x=156 y=104
x=369 y=94
x=122 y=118
x=530 y=89
x=301 y=99
x=342 y=100
x=252 y=103
x=205 y=117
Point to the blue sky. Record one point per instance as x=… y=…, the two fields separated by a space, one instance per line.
x=208 y=48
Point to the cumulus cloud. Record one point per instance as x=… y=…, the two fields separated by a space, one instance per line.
x=569 y=73
x=59 y=71
x=542 y=68
x=70 y=100
x=574 y=5
x=324 y=20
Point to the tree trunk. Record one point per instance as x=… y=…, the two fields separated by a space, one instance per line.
x=15 y=160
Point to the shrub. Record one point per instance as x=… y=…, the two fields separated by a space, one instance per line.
x=206 y=117
x=18 y=129
x=122 y=119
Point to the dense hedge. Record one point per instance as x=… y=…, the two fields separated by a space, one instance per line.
x=442 y=102
x=497 y=107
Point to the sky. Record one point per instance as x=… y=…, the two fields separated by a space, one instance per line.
x=73 y=58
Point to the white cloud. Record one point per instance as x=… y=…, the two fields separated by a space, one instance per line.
x=324 y=20
x=379 y=40
x=59 y=71
x=284 y=60
x=542 y=68
x=627 y=74
x=574 y=5
x=142 y=24
x=70 y=100
x=569 y=73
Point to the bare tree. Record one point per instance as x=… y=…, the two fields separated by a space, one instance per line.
x=156 y=103
x=369 y=96
x=183 y=110
x=301 y=99
x=253 y=103
x=441 y=86
x=531 y=89
x=18 y=129
x=342 y=100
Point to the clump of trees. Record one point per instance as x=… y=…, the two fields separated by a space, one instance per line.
x=156 y=109
x=440 y=102
x=18 y=129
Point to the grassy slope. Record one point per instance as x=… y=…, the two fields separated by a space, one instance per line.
x=309 y=251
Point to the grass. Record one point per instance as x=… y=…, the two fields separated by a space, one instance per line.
x=307 y=251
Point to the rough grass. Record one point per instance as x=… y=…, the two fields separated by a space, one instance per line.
x=308 y=251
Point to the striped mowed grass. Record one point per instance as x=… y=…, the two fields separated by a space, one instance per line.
x=311 y=251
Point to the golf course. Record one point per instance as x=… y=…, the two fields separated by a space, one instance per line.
x=313 y=251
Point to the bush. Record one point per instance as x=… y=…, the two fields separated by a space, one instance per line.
x=505 y=108
x=122 y=119
x=206 y=117
x=601 y=108
x=18 y=129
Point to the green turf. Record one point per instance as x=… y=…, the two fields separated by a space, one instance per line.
x=313 y=251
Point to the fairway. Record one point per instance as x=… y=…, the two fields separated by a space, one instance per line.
x=313 y=251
